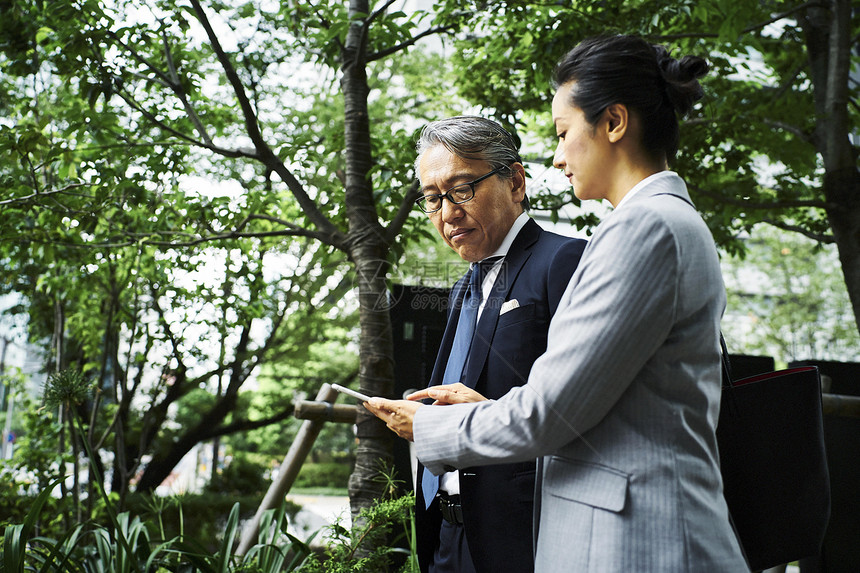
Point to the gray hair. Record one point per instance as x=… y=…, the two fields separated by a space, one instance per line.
x=471 y=137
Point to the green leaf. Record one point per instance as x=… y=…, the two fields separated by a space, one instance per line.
x=43 y=33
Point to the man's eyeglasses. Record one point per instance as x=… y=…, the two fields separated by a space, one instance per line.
x=457 y=195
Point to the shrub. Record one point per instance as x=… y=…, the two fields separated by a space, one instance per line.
x=197 y=516
x=244 y=475
x=130 y=545
x=327 y=475
x=382 y=537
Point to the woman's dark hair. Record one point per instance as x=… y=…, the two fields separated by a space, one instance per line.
x=642 y=76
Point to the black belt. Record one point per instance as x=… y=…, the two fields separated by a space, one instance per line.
x=452 y=510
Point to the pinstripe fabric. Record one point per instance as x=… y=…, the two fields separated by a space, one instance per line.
x=623 y=404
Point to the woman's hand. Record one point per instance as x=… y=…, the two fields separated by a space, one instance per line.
x=448 y=394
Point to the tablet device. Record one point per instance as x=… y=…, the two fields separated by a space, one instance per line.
x=353 y=393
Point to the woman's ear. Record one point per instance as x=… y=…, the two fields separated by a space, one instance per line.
x=617 y=121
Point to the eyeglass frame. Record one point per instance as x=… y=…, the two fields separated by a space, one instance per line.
x=447 y=194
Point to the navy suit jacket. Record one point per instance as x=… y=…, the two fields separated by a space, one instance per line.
x=498 y=500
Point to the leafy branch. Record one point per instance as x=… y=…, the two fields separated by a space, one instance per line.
x=822 y=238
x=40 y=194
x=765 y=205
x=328 y=233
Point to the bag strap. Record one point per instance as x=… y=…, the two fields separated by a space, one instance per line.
x=727 y=383
x=727 y=365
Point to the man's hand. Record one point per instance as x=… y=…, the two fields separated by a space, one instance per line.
x=397 y=414
x=448 y=394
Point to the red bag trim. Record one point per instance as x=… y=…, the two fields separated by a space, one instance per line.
x=767 y=375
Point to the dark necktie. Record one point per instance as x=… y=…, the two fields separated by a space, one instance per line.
x=460 y=349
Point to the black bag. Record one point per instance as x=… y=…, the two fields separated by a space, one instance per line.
x=772 y=459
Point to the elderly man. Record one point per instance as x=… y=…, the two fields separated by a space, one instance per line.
x=474 y=191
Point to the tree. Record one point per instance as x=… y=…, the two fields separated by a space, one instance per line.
x=153 y=337
x=772 y=141
x=112 y=105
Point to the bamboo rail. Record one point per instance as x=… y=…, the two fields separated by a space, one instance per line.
x=839 y=405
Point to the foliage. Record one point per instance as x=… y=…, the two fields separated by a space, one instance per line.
x=770 y=143
x=786 y=299
x=133 y=546
x=130 y=545
x=242 y=474
x=333 y=360
x=197 y=188
x=327 y=475
x=36 y=463
x=385 y=526
x=199 y=516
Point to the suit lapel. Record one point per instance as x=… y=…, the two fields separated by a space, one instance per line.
x=513 y=263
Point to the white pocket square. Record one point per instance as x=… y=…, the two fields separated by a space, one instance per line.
x=509 y=305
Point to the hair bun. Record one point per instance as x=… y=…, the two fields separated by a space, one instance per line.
x=681 y=77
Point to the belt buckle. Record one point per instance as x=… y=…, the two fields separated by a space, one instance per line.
x=451 y=512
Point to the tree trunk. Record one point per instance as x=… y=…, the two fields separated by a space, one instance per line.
x=828 y=40
x=375 y=441
x=369 y=251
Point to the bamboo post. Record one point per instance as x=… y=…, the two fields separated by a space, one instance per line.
x=289 y=470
